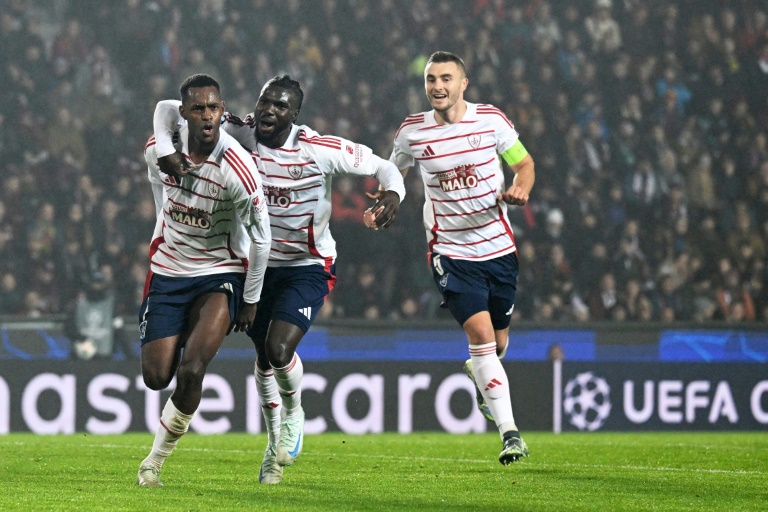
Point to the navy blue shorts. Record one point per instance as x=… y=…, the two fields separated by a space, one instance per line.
x=292 y=294
x=469 y=287
x=165 y=310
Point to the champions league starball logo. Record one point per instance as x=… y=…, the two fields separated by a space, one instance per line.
x=587 y=401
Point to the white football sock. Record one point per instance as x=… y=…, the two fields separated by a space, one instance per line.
x=173 y=425
x=493 y=383
x=289 y=381
x=271 y=404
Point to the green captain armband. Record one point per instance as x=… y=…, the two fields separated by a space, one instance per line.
x=515 y=154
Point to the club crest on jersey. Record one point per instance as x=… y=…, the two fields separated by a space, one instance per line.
x=295 y=171
x=444 y=281
x=277 y=196
x=213 y=190
x=462 y=177
x=474 y=140
x=194 y=217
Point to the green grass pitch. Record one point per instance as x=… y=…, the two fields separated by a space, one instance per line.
x=425 y=471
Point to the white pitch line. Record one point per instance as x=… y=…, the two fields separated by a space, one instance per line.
x=653 y=468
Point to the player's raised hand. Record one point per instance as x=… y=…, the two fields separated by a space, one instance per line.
x=514 y=196
x=384 y=211
x=174 y=165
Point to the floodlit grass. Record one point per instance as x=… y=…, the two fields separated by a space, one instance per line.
x=338 y=472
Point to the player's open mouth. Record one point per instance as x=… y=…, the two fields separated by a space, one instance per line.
x=266 y=124
x=208 y=129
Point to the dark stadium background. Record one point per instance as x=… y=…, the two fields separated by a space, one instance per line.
x=646 y=119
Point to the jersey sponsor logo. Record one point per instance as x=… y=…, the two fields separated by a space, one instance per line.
x=277 y=196
x=295 y=171
x=474 y=140
x=358 y=155
x=190 y=217
x=461 y=177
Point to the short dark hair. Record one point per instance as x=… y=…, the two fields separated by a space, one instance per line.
x=195 y=81
x=286 y=82
x=439 y=57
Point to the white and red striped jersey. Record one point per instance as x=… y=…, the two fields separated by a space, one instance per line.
x=462 y=175
x=207 y=222
x=297 y=182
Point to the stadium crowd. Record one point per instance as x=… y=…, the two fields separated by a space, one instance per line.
x=646 y=118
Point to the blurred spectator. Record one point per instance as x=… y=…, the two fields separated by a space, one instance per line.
x=69 y=48
x=744 y=233
x=43 y=231
x=65 y=135
x=644 y=190
x=593 y=266
x=629 y=262
x=361 y=297
x=734 y=302
x=603 y=29
x=631 y=298
x=668 y=301
x=10 y=295
x=556 y=276
x=604 y=299
x=528 y=279
x=555 y=352
x=701 y=185
x=196 y=61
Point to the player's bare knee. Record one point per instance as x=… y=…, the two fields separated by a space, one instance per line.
x=156 y=381
x=280 y=356
x=190 y=372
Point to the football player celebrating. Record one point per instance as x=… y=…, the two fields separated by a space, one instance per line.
x=207 y=261
x=298 y=167
x=472 y=249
